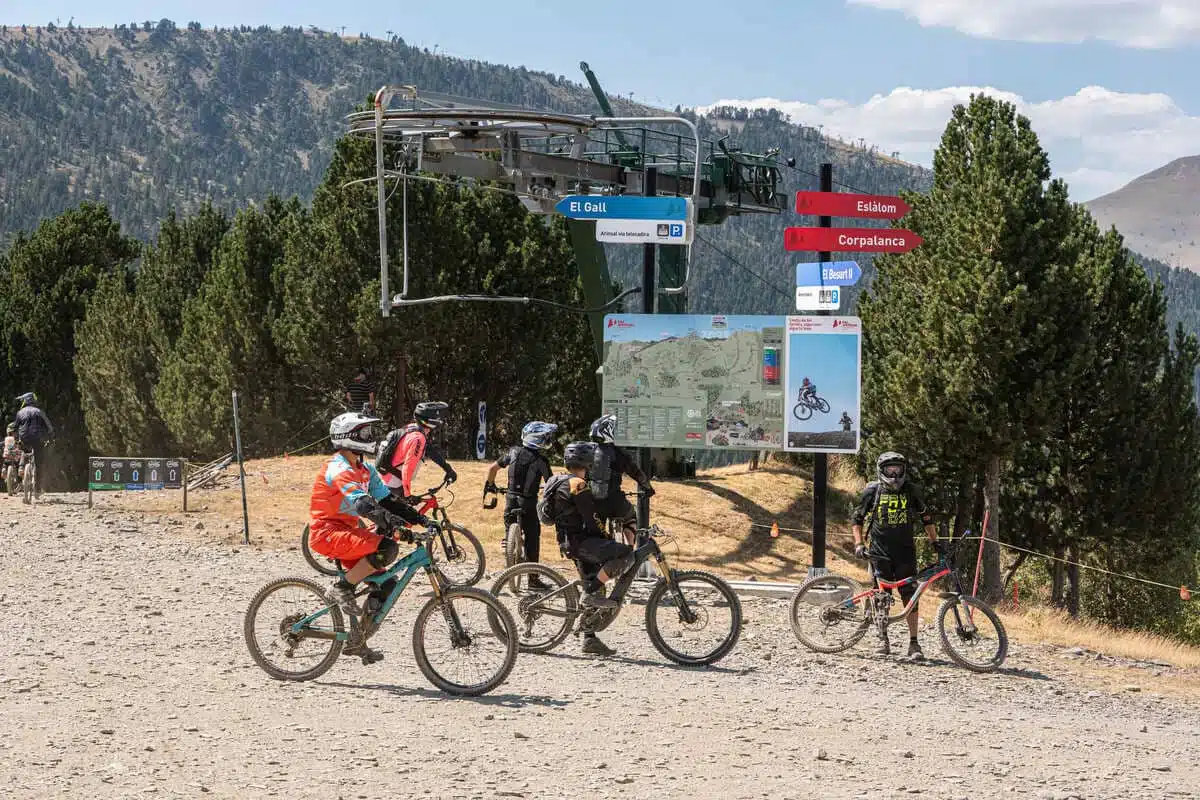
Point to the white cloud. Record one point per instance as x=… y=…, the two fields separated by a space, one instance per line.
x=1134 y=23
x=1098 y=140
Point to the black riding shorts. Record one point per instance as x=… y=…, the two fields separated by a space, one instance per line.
x=896 y=565
x=618 y=508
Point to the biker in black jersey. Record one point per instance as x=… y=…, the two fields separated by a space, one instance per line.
x=890 y=507
x=527 y=468
x=611 y=463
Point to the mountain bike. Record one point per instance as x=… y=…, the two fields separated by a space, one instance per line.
x=456 y=552
x=705 y=608
x=831 y=613
x=457 y=621
x=28 y=472
x=514 y=536
x=806 y=405
x=12 y=475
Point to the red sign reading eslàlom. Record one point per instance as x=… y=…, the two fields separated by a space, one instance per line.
x=851 y=240
x=841 y=204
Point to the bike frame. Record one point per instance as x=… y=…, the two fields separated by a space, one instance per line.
x=416 y=560
x=923 y=579
x=645 y=549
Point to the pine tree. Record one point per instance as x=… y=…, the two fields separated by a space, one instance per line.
x=965 y=335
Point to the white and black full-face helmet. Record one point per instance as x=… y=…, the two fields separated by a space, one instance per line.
x=353 y=431
x=892 y=470
x=604 y=429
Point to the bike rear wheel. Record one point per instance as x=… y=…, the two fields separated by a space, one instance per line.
x=821 y=618
x=320 y=563
x=472 y=625
x=28 y=483
x=272 y=643
x=709 y=629
x=458 y=555
x=969 y=623
x=822 y=405
x=544 y=627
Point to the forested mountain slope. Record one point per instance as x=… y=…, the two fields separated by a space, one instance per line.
x=154 y=118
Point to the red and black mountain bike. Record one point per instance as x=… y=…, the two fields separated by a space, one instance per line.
x=456 y=552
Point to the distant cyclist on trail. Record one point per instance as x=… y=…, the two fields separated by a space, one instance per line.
x=846 y=422
x=527 y=467
x=34 y=431
x=346 y=490
x=567 y=501
x=890 y=507
x=611 y=463
x=404 y=449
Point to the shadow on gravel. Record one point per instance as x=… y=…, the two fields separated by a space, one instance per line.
x=642 y=662
x=505 y=700
x=934 y=661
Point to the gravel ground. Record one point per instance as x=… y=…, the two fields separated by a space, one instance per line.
x=124 y=674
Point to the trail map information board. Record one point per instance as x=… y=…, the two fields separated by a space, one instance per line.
x=723 y=382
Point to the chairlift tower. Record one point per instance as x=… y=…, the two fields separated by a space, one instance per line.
x=542 y=157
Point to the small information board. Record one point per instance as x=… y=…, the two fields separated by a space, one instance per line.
x=107 y=474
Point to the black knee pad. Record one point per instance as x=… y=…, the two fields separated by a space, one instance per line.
x=385 y=554
x=617 y=566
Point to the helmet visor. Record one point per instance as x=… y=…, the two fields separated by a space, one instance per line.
x=364 y=434
x=893 y=471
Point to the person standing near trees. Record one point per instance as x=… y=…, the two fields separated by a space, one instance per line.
x=360 y=392
x=890 y=506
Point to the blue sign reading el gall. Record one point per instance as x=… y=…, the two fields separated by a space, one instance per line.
x=584 y=206
x=831 y=273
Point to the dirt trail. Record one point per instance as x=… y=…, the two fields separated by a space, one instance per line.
x=124 y=674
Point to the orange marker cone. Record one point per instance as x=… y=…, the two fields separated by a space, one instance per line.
x=774 y=530
x=1184 y=594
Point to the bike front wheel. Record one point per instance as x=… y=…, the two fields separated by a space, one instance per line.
x=801 y=412
x=972 y=635
x=319 y=563
x=824 y=615
x=465 y=641
x=514 y=545
x=281 y=652
x=695 y=619
x=544 y=616
x=458 y=555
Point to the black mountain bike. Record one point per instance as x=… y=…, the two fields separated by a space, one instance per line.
x=805 y=406
x=693 y=618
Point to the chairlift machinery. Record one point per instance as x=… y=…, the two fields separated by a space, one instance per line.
x=543 y=156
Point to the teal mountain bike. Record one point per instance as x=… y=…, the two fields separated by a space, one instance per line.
x=294 y=635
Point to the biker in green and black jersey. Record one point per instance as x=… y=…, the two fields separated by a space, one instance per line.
x=890 y=506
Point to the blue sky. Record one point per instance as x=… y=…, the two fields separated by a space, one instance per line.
x=830 y=360
x=1109 y=84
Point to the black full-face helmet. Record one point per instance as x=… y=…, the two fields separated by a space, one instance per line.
x=892 y=470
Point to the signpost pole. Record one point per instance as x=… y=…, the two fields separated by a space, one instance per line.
x=649 y=293
x=821 y=460
x=183 y=472
x=237 y=435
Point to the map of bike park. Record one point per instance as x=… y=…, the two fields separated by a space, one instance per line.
x=712 y=381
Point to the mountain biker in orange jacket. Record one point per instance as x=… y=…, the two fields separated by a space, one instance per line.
x=346 y=490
